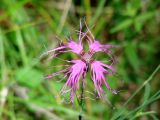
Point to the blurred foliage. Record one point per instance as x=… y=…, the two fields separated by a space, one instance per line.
x=30 y=27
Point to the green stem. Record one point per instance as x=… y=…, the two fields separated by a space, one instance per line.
x=81 y=103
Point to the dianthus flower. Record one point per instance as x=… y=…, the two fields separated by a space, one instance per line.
x=78 y=68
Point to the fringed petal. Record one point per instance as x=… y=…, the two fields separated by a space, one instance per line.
x=98 y=76
x=75 y=47
x=75 y=72
x=96 y=46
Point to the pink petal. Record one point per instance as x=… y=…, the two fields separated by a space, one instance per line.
x=96 y=46
x=75 y=47
x=75 y=72
x=98 y=76
x=70 y=46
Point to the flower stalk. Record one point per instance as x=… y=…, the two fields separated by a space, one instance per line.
x=81 y=104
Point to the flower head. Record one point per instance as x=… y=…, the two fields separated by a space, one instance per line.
x=78 y=69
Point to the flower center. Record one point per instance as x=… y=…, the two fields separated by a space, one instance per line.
x=86 y=57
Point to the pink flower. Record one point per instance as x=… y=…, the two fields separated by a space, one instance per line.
x=79 y=68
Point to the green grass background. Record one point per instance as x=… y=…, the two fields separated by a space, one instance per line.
x=28 y=28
